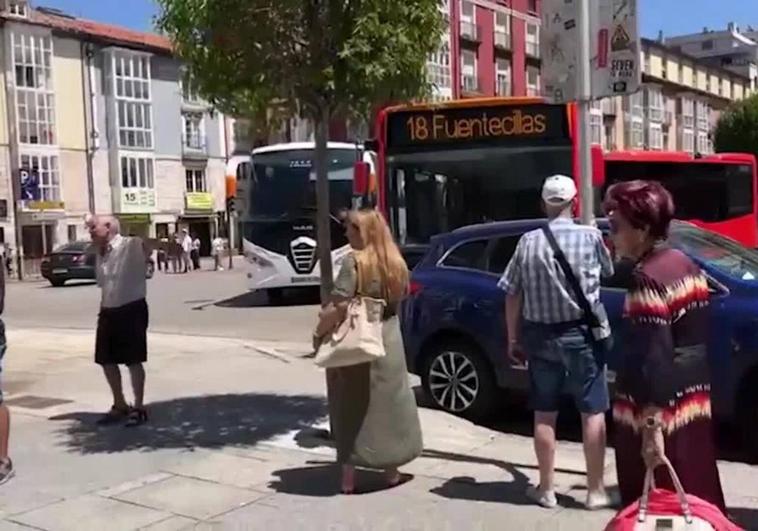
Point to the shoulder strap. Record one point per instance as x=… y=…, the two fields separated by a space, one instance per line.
x=581 y=298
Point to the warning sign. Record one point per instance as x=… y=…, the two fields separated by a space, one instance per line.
x=620 y=40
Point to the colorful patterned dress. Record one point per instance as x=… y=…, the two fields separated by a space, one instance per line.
x=665 y=365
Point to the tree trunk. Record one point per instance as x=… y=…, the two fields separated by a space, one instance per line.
x=323 y=215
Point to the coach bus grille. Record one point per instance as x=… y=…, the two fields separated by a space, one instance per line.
x=303 y=256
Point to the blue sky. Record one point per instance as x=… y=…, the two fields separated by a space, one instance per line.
x=671 y=16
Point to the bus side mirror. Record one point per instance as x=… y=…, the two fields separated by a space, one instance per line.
x=361 y=177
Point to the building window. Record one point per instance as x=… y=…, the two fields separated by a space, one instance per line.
x=702 y=116
x=609 y=137
x=72 y=233
x=467 y=11
x=532 y=6
x=17 y=8
x=655 y=105
x=32 y=61
x=36 y=117
x=469 y=80
x=635 y=134
x=688 y=140
x=48 y=175
x=438 y=66
x=190 y=93
x=35 y=100
x=688 y=113
x=532 y=81
x=134 y=124
x=702 y=143
x=502 y=30
x=137 y=172
x=655 y=137
x=195 y=179
x=194 y=137
x=131 y=86
x=503 y=76
x=532 y=40
x=596 y=126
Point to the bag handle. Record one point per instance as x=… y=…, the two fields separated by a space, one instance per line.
x=650 y=484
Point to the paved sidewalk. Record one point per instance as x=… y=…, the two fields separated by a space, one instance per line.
x=231 y=445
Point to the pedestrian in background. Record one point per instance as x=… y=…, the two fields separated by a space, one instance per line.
x=662 y=404
x=163 y=255
x=186 y=244
x=547 y=325
x=6 y=465
x=372 y=409
x=195 y=252
x=123 y=319
x=217 y=250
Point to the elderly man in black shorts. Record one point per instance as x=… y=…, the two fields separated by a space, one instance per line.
x=123 y=319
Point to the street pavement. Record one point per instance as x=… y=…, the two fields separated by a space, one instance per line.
x=233 y=441
x=206 y=302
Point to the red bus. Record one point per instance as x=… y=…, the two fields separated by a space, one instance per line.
x=717 y=192
x=446 y=165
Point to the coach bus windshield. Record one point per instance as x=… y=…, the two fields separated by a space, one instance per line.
x=283 y=184
x=435 y=191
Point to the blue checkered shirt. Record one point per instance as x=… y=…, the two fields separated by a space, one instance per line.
x=536 y=273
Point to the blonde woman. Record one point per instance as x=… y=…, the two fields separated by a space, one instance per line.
x=371 y=406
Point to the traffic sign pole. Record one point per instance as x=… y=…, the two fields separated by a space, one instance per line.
x=584 y=93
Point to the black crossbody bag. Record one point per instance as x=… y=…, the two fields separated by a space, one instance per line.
x=598 y=333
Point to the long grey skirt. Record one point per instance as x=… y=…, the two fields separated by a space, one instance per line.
x=373 y=410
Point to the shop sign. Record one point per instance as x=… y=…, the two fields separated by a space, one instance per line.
x=199 y=201
x=135 y=219
x=44 y=205
x=137 y=200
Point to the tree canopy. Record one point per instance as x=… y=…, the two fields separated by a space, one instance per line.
x=737 y=129
x=311 y=58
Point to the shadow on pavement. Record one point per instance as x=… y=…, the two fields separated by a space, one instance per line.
x=70 y=284
x=259 y=299
x=323 y=481
x=511 y=492
x=203 y=421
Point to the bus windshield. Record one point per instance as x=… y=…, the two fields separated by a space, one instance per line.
x=437 y=190
x=283 y=184
x=704 y=191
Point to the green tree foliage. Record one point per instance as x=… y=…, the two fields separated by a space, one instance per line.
x=312 y=58
x=737 y=129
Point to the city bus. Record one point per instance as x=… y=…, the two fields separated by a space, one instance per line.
x=446 y=165
x=276 y=205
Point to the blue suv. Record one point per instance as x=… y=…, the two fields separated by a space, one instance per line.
x=454 y=326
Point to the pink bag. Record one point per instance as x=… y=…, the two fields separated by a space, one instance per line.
x=663 y=509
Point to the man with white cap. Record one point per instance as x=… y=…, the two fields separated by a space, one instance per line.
x=547 y=326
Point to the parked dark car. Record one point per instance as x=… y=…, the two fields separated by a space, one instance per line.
x=76 y=261
x=454 y=327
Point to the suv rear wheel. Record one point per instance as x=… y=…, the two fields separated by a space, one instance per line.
x=459 y=380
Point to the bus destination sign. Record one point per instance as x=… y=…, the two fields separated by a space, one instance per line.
x=493 y=124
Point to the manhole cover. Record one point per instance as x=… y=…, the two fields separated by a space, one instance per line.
x=36 y=402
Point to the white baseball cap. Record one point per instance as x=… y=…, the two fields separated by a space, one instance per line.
x=558 y=189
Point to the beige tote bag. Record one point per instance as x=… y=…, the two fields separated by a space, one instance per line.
x=358 y=339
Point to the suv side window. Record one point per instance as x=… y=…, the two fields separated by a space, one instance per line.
x=469 y=255
x=501 y=252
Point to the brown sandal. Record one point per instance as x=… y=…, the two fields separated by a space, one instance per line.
x=137 y=417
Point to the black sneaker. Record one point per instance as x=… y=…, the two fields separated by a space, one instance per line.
x=6 y=471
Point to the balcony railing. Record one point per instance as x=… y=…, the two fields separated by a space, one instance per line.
x=470 y=31
x=533 y=50
x=532 y=91
x=469 y=84
x=503 y=40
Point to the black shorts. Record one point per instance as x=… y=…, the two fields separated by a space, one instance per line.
x=122 y=334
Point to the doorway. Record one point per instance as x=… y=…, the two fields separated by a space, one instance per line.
x=202 y=230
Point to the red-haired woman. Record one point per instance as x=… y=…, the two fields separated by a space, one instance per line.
x=663 y=382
